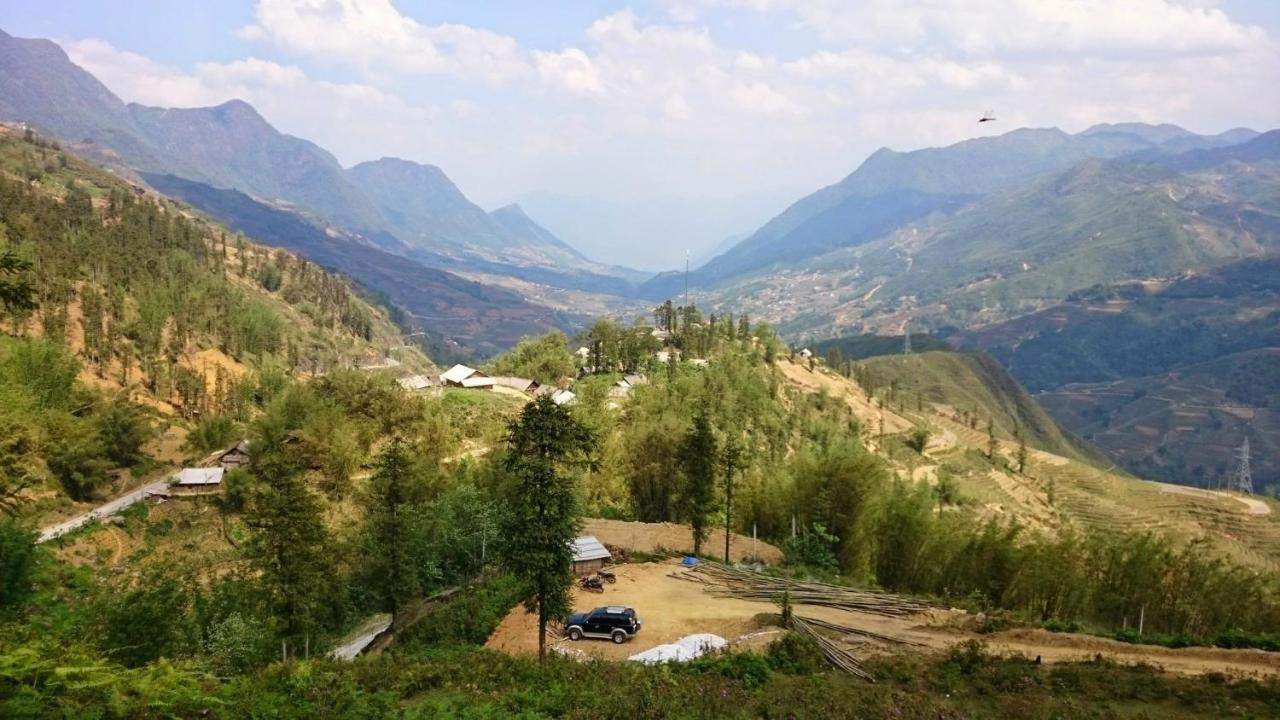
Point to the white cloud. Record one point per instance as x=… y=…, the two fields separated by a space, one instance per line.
x=571 y=69
x=1105 y=27
x=759 y=97
x=374 y=36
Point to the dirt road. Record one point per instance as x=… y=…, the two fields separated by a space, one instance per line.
x=104 y=510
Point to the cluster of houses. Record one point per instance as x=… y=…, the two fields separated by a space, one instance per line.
x=195 y=481
x=461 y=376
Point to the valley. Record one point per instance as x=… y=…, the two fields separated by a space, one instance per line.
x=294 y=426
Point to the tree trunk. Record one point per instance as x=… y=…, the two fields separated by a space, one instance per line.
x=542 y=633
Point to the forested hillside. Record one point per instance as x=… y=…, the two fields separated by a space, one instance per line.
x=1169 y=377
x=127 y=313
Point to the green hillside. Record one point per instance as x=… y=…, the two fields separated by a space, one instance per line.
x=977 y=384
x=860 y=347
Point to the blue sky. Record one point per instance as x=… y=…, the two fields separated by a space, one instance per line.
x=692 y=119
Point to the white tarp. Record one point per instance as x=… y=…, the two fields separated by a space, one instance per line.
x=682 y=650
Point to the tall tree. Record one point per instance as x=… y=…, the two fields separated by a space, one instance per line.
x=541 y=518
x=992 y=445
x=289 y=544
x=396 y=487
x=732 y=459
x=697 y=457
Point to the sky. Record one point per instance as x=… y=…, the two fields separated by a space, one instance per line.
x=659 y=108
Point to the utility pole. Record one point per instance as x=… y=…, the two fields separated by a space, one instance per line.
x=906 y=337
x=1243 y=480
x=686 y=278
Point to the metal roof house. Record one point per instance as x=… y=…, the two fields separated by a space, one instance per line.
x=198 y=481
x=589 y=555
x=524 y=385
x=463 y=376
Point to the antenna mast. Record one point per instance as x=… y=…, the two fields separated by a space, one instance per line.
x=1243 y=480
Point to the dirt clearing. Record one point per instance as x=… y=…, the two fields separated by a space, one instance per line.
x=671 y=608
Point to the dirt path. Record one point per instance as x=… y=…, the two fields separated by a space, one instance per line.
x=1252 y=506
x=838 y=387
x=671 y=608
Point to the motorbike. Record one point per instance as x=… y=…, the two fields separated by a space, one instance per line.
x=591 y=584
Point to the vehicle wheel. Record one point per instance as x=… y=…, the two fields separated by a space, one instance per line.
x=575 y=634
x=619 y=637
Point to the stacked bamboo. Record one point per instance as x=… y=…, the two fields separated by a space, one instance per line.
x=726 y=581
x=846 y=630
x=836 y=655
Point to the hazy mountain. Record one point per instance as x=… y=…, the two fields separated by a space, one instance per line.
x=470 y=315
x=40 y=85
x=426 y=209
x=892 y=188
x=234 y=147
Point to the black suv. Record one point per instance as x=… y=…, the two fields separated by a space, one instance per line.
x=614 y=623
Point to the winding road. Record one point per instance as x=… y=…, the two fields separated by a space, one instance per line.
x=104 y=510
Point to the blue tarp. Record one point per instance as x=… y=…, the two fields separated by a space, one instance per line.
x=689 y=561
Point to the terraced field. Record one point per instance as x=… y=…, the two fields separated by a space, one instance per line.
x=1056 y=492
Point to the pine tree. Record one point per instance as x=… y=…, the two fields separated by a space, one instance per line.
x=289 y=543
x=397 y=484
x=697 y=457
x=992 y=445
x=542 y=519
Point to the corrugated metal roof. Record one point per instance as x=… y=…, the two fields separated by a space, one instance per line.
x=588 y=547
x=200 y=476
x=457 y=374
x=564 y=397
x=477 y=381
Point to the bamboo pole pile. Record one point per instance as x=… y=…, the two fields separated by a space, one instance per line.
x=836 y=655
x=846 y=630
x=726 y=581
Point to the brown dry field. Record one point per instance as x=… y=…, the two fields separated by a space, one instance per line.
x=671 y=608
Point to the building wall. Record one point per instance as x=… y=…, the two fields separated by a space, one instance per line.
x=587 y=567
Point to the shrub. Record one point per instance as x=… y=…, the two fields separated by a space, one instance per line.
x=795 y=654
x=17 y=561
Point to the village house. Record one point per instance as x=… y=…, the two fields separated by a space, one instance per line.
x=463 y=376
x=524 y=385
x=197 y=481
x=234 y=456
x=589 y=555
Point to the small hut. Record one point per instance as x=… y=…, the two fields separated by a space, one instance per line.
x=234 y=456
x=589 y=555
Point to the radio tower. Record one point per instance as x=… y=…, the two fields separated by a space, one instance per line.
x=1243 y=480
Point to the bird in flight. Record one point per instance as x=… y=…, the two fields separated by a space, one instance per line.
x=988 y=116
